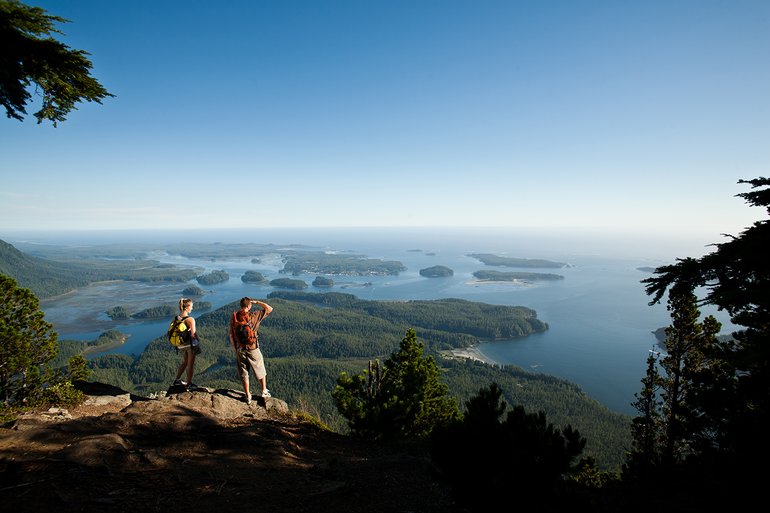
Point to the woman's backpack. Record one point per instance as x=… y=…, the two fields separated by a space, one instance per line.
x=178 y=333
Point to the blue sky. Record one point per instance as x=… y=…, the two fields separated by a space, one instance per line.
x=628 y=116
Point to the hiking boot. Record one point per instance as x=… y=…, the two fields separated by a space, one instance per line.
x=178 y=382
x=191 y=386
x=266 y=393
x=248 y=398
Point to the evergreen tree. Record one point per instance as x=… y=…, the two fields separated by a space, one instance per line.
x=729 y=402
x=644 y=456
x=687 y=344
x=77 y=368
x=29 y=54
x=27 y=341
x=405 y=400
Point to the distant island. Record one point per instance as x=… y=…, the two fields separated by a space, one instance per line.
x=253 y=277
x=157 y=312
x=646 y=269
x=323 y=282
x=490 y=259
x=319 y=262
x=288 y=283
x=120 y=313
x=193 y=290
x=437 y=271
x=213 y=278
x=356 y=285
x=514 y=276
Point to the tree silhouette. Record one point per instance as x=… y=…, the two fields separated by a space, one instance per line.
x=667 y=432
x=728 y=402
x=29 y=55
x=644 y=456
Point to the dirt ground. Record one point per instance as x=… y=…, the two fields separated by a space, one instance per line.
x=199 y=452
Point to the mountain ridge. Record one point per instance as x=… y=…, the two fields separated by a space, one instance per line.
x=32 y=272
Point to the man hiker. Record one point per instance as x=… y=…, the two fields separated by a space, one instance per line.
x=244 y=336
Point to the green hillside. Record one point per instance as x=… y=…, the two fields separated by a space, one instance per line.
x=48 y=278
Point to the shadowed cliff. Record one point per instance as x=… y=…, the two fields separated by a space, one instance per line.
x=199 y=452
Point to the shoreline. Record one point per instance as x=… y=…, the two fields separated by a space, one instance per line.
x=114 y=344
x=471 y=353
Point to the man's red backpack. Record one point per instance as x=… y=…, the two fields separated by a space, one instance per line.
x=244 y=333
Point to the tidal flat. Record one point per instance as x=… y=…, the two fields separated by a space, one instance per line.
x=84 y=310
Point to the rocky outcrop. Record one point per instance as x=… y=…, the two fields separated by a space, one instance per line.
x=201 y=451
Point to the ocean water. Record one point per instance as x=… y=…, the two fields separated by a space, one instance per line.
x=600 y=324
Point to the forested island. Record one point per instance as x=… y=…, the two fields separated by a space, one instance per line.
x=120 y=312
x=288 y=283
x=157 y=312
x=339 y=264
x=164 y=311
x=490 y=259
x=192 y=291
x=213 y=277
x=515 y=276
x=253 y=277
x=323 y=282
x=437 y=271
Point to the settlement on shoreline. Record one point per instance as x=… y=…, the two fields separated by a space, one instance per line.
x=472 y=353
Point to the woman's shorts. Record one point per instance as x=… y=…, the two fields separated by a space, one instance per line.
x=187 y=351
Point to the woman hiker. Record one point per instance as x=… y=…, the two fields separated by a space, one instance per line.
x=191 y=349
